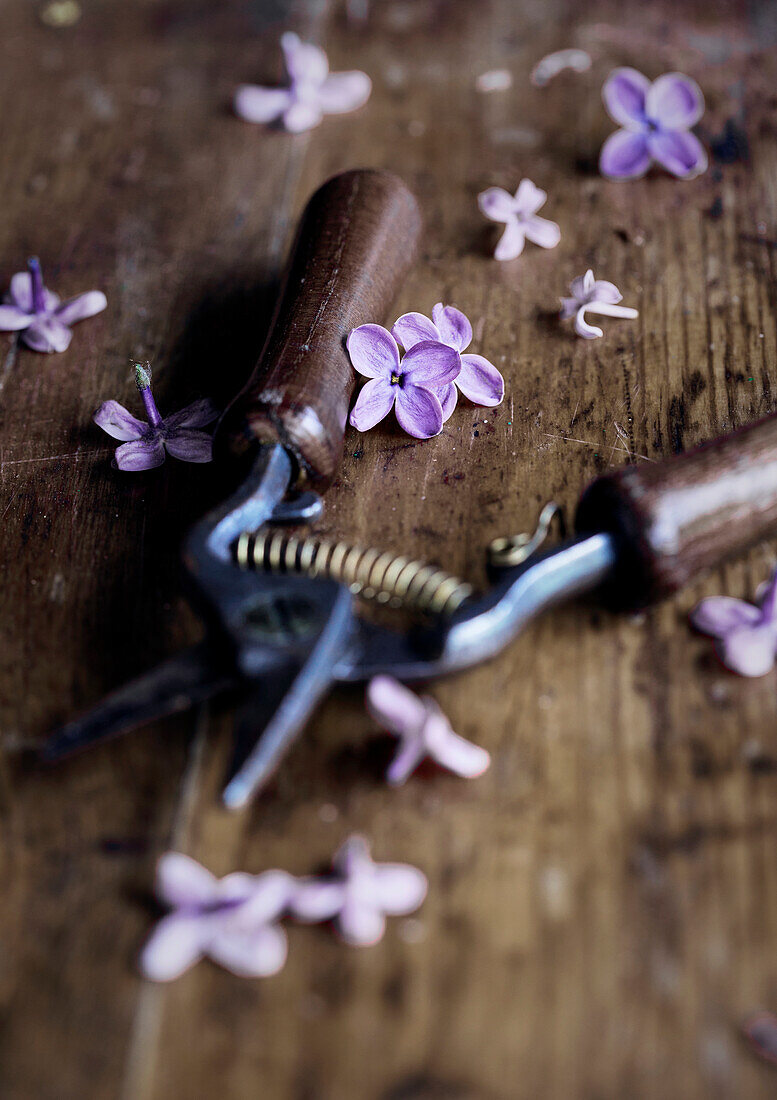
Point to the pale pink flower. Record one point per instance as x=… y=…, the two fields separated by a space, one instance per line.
x=312 y=91
x=590 y=295
x=360 y=893
x=745 y=633
x=230 y=920
x=423 y=731
x=519 y=213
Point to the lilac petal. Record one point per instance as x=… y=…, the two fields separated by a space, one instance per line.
x=81 y=307
x=767 y=598
x=114 y=419
x=373 y=351
x=174 y=946
x=452 y=751
x=256 y=104
x=47 y=334
x=301 y=116
x=411 y=328
x=418 y=411
x=624 y=156
x=679 y=152
x=430 y=363
x=20 y=293
x=182 y=882
x=197 y=415
x=343 y=92
x=582 y=328
x=315 y=900
x=542 y=231
x=13 y=318
x=569 y=307
x=602 y=291
x=511 y=242
x=497 y=204
x=454 y=328
x=189 y=445
x=305 y=63
x=528 y=199
x=360 y=923
x=408 y=757
x=250 y=953
x=749 y=651
x=269 y=895
x=480 y=381
x=395 y=706
x=373 y=404
x=398 y=887
x=141 y=454
x=721 y=615
x=448 y=396
x=624 y=94
x=675 y=102
x=235 y=890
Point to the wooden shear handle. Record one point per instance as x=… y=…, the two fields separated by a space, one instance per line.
x=676 y=518
x=356 y=243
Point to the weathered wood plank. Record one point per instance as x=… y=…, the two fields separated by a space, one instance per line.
x=603 y=903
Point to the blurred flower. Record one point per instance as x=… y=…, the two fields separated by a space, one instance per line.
x=230 y=920
x=43 y=320
x=312 y=93
x=360 y=894
x=591 y=295
x=745 y=633
x=423 y=730
x=656 y=120
x=147 y=444
x=406 y=386
x=478 y=379
x=519 y=213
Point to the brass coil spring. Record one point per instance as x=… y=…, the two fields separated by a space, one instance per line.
x=383 y=577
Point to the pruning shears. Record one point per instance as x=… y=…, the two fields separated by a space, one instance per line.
x=281 y=609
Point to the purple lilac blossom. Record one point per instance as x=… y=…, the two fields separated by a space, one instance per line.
x=230 y=920
x=43 y=320
x=360 y=893
x=656 y=120
x=423 y=731
x=312 y=92
x=745 y=633
x=478 y=379
x=590 y=295
x=519 y=213
x=146 y=443
x=408 y=385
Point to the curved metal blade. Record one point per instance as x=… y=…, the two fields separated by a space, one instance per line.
x=181 y=682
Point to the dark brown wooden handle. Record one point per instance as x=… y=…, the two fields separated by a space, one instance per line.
x=676 y=518
x=357 y=241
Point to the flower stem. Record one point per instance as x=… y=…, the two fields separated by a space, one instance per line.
x=143 y=382
x=36 y=279
x=605 y=309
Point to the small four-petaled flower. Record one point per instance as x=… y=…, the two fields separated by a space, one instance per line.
x=423 y=730
x=519 y=213
x=231 y=920
x=590 y=295
x=477 y=379
x=745 y=633
x=146 y=444
x=656 y=120
x=43 y=320
x=312 y=92
x=408 y=384
x=360 y=894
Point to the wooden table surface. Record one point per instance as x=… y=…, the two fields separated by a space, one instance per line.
x=602 y=910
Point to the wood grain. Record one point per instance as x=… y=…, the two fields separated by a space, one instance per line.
x=603 y=902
